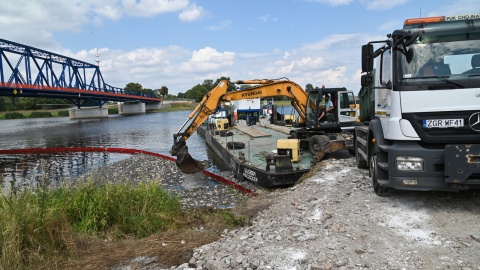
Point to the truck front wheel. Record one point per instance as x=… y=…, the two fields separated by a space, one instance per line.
x=379 y=190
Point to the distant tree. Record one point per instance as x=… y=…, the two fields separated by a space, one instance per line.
x=209 y=84
x=231 y=87
x=197 y=92
x=3 y=105
x=245 y=86
x=164 y=91
x=134 y=87
x=309 y=87
x=149 y=92
x=27 y=103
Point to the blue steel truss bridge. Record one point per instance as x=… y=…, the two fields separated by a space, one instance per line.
x=26 y=71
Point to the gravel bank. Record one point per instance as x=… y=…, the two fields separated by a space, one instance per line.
x=333 y=220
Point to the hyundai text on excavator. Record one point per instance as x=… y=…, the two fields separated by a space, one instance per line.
x=320 y=138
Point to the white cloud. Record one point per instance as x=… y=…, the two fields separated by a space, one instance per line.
x=34 y=22
x=111 y=12
x=208 y=59
x=382 y=5
x=458 y=7
x=221 y=26
x=192 y=13
x=148 y=8
x=389 y=26
x=267 y=18
x=331 y=2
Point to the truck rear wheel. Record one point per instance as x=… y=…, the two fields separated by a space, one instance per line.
x=379 y=190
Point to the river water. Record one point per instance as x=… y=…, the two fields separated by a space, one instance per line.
x=151 y=132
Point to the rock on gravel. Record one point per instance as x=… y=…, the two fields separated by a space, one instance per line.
x=333 y=220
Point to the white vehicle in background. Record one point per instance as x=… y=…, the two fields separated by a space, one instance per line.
x=248 y=110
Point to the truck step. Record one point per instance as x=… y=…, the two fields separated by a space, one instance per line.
x=383 y=165
x=384 y=147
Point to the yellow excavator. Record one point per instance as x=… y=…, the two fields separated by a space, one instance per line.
x=310 y=131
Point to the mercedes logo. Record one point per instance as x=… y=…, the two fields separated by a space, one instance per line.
x=474 y=121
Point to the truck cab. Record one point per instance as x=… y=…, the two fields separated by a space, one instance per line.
x=425 y=131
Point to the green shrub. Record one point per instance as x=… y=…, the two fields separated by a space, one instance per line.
x=14 y=115
x=37 y=114
x=64 y=113
x=112 y=110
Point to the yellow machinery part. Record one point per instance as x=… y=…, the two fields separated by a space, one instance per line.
x=221 y=124
x=289 y=147
x=290 y=119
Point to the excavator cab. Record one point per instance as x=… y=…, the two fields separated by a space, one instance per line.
x=343 y=103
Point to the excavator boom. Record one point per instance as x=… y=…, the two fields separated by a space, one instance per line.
x=211 y=101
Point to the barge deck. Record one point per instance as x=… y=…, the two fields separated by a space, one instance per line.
x=253 y=154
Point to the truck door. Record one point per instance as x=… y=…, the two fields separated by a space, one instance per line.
x=347 y=108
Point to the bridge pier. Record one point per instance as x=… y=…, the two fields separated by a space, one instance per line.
x=131 y=108
x=152 y=106
x=87 y=113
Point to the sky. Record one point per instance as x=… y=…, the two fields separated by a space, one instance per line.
x=181 y=43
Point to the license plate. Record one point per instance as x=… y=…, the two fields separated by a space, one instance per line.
x=443 y=123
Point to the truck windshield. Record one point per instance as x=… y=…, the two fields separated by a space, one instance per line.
x=439 y=60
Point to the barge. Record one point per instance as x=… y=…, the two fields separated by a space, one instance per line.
x=262 y=154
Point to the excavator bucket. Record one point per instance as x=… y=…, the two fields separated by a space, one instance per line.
x=186 y=163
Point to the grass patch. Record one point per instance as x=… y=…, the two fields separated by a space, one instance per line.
x=63 y=113
x=13 y=115
x=40 y=114
x=280 y=103
x=178 y=106
x=113 y=110
x=95 y=225
x=41 y=227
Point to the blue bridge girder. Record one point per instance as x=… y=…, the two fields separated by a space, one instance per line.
x=26 y=71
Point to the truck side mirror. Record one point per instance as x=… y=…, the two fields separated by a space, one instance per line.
x=367 y=58
x=367 y=80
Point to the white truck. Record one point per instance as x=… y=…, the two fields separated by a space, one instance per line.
x=421 y=106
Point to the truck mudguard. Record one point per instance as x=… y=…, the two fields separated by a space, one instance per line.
x=375 y=128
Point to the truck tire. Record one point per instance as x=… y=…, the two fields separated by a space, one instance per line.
x=317 y=143
x=379 y=190
x=225 y=133
x=235 y=145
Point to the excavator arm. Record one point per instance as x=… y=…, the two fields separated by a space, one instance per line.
x=211 y=101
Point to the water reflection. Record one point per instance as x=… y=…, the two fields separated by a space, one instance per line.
x=151 y=132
